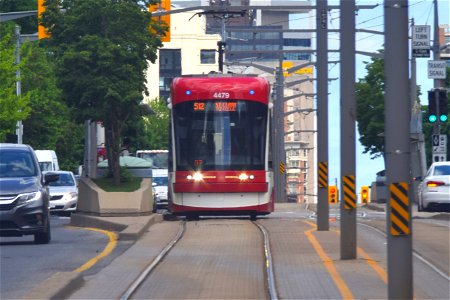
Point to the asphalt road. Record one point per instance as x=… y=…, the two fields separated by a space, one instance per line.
x=25 y=264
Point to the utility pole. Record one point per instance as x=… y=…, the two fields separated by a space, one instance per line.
x=322 y=115
x=19 y=126
x=397 y=150
x=348 y=124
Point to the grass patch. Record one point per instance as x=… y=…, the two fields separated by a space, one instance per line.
x=107 y=184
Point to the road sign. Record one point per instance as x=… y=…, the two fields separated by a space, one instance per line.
x=436 y=69
x=439 y=143
x=438 y=157
x=420 y=44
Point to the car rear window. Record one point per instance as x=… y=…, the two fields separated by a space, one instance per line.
x=442 y=170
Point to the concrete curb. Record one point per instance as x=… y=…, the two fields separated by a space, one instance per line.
x=62 y=284
x=57 y=286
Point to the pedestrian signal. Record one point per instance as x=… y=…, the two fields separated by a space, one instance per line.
x=364 y=194
x=332 y=194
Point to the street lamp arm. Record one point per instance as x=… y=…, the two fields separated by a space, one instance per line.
x=251 y=64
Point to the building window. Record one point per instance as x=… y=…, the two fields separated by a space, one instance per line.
x=297 y=42
x=207 y=56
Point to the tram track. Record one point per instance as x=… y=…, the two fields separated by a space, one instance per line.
x=135 y=285
x=268 y=263
x=415 y=253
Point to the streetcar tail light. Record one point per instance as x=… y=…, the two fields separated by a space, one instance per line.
x=435 y=183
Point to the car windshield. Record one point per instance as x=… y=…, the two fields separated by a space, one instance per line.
x=160 y=180
x=441 y=170
x=15 y=163
x=64 y=180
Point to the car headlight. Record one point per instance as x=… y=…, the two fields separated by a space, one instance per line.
x=70 y=196
x=28 y=197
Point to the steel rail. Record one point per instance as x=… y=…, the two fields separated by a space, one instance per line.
x=135 y=285
x=415 y=253
x=269 y=263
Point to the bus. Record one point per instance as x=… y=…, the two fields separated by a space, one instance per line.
x=219 y=148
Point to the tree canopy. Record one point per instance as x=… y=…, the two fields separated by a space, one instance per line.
x=102 y=48
x=370 y=108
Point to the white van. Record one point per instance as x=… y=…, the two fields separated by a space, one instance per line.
x=48 y=161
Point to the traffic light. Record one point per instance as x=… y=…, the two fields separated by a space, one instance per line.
x=432 y=108
x=364 y=194
x=441 y=103
x=42 y=31
x=443 y=106
x=332 y=194
x=164 y=5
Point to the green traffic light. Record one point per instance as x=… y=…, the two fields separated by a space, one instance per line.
x=443 y=118
x=432 y=118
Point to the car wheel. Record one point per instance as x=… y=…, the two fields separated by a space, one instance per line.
x=43 y=237
x=419 y=206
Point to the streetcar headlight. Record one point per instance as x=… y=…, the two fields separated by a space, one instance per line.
x=244 y=176
x=196 y=177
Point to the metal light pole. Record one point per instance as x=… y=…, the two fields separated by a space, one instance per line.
x=19 y=126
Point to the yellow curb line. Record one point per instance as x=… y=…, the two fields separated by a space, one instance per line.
x=108 y=249
x=328 y=262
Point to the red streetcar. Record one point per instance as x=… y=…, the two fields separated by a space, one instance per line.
x=219 y=146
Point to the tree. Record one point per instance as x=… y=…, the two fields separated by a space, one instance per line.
x=13 y=108
x=370 y=108
x=102 y=48
x=157 y=125
x=28 y=24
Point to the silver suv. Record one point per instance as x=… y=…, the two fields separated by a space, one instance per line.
x=24 y=196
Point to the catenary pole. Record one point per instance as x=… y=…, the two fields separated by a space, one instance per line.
x=397 y=150
x=322 y=115
x=348 y=123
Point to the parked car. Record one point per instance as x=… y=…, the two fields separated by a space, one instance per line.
x=434 y=189
x=63 y=192
x=160 y=200
x=24 y=196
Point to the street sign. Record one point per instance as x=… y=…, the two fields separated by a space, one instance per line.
x=420 y=44
x=439 y=145
x=438 y=157
x=436 y=69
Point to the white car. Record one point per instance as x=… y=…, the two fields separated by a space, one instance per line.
x=160 y=200
x=434 y=190
x=63 y=193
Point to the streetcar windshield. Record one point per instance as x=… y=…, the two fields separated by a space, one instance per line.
x=220 y=135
